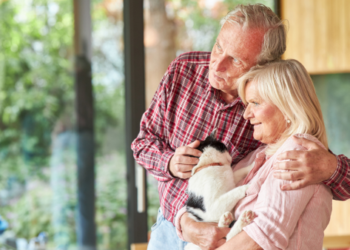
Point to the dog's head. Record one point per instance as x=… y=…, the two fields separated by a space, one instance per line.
x=213 y=151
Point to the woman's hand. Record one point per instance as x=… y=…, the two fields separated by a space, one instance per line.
x=306 y=167
x=207 y=236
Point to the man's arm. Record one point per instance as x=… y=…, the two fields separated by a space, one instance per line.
x=152 y=149
x=312 y=166
x=207 y=236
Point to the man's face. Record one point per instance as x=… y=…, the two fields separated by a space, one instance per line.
x=234 y=53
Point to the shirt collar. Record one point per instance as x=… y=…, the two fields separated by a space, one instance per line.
x=217 y=96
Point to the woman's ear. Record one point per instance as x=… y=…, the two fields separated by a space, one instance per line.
x=286 y=118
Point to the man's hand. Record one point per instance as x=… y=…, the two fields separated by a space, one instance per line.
x=181 y=163
x=206 y=235
x=306 y=167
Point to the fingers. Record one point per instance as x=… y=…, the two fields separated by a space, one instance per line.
x=186 y=160
x=222 y=232
x=194 y=144
x=218 y=238
x=290 y=155
x=305 y=142
x=184 y=175
x=294 y=185
x=221 y=242
x=181 y=170
x=286 y=165
x=289 y=176
x=181 y=166
x=188 y=151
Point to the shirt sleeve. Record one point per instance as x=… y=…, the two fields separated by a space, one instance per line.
x=339 y=182
x=151 y=148
x=278 y=213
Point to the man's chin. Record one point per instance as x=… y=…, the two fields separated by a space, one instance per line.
x=215 y=84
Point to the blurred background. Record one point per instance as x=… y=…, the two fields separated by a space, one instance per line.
x=38 y=131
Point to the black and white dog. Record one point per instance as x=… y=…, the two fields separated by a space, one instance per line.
x=212 y=189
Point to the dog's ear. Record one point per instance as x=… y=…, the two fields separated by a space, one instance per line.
x=211 y=137
x=213 y=133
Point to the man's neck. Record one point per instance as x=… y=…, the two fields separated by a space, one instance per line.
x=229 y=97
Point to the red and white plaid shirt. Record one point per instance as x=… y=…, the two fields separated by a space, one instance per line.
x=186 y=108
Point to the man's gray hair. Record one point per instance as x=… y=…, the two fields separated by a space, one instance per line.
x=261 y=17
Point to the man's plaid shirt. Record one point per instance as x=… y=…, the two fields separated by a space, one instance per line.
x=186 y=108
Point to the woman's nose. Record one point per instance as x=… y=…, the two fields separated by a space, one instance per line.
x=247 y=113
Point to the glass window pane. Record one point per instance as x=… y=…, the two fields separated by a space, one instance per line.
x=38 y=139
x=108 y=82
x=332 y=91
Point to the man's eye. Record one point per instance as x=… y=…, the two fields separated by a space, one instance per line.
x=236 y=61
x=255 y=103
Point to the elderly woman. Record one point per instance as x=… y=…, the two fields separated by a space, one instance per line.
x=281 y=103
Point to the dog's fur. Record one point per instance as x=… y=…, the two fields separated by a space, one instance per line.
x=212 y=190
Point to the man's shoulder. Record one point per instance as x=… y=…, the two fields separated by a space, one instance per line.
x=196 y=57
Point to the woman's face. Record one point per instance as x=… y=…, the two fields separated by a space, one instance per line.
x=269 y=122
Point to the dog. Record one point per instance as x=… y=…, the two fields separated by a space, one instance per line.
x=213 y=191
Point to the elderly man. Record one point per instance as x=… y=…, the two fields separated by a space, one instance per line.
x=197 y=94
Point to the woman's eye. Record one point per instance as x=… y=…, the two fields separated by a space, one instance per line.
x=235 y=60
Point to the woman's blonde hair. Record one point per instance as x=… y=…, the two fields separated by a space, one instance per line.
x=287 y=85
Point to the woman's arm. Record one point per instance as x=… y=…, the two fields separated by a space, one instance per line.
x=278 y=214
x=241 y=241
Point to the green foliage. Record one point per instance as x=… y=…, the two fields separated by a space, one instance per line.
x=37 y=83
x=111 y=202
x=201 y=20
x=32 y=213
x=36 y=104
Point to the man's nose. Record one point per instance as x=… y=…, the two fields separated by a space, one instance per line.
x=221 y=63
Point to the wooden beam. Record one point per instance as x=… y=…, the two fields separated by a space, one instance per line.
x=332 y=242
x=318 y=34
x=139 y=246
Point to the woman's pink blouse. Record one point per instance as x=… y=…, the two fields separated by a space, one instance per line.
x=286 y=219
